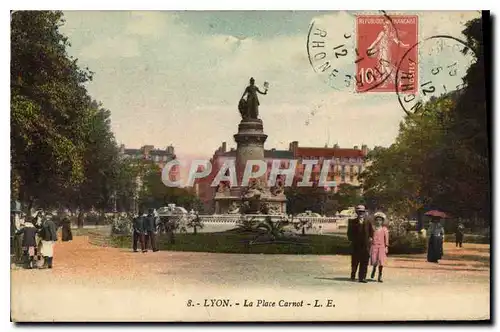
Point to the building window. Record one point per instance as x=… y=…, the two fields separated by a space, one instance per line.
x=351 y=173
x=342 y=173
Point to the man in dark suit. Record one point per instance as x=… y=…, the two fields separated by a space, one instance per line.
x=360 y=234
x=150 y=229
x=138 y=225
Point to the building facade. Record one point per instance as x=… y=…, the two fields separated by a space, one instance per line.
x=149 y=153
x=345 y=166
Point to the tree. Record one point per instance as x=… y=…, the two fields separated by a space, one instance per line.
x=100 y=185
x=300 y=199
x=348 y=195
x=156 y=194
x=468 y=141
x=48 y=109
x=440 y=157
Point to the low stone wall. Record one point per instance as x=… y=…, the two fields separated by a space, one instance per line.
x=236 y=218
x=320 y=225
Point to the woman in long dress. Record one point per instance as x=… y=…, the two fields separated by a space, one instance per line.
x=66 y=230
x=252 y=101
x=48 y=234
x=380 y=245
x=436 y=236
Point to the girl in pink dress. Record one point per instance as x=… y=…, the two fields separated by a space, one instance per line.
x=380 y=245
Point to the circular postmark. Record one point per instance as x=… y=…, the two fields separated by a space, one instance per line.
x=355 y=52
x=438 y=68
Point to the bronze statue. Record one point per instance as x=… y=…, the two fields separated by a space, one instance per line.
x=249 y=108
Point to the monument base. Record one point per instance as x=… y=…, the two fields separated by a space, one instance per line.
x=257 y=198
x=228 y=204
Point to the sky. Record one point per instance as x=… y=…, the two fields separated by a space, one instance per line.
x=176 y=77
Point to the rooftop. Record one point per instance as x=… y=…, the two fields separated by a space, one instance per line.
x=329 y=152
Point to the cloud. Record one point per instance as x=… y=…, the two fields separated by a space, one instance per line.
x=150 y=23
x=167 y=83
x=112 y=47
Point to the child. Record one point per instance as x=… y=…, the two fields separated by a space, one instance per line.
x=380 y=245
x=28 y=230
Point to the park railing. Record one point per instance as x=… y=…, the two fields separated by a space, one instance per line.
x=227 y=218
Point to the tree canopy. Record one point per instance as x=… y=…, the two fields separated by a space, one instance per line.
x=440 y=158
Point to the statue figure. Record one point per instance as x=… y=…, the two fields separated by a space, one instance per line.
x=223 y=188
x=233 y=208
x=279 y=188
x=249 y=108
x=254 y=190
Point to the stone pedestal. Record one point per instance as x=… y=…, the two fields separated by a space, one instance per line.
x=250 y=141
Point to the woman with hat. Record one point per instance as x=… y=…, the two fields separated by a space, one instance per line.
x=380 y=245
x=436 y=235
x=48 y=235
x=67 y=235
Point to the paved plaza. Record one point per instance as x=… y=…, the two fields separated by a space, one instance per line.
x=90 y=283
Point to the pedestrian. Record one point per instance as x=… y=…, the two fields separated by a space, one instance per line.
x=28 y=232
x=138 y=232
x=48 y=235
x=380 y=245
x=436 y=238
x=37 y=221
x=16 y=221
x=67 y=235
x=360 y=234
x=151 y=221
x=459 y=235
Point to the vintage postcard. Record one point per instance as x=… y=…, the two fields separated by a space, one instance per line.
x=250 y=166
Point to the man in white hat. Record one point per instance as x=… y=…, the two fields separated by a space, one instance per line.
x=360 y=234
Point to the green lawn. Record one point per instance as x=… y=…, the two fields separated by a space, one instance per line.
x=246 y=243
x=252 y=243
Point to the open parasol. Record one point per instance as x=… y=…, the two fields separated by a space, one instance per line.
x=436 y=213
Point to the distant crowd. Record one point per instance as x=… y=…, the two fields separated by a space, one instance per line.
x=33 y=238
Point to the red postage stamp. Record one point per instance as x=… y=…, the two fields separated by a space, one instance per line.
x=382 y=41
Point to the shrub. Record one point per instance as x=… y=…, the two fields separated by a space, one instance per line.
x=122 y=225
x=469 y=238
x=408 y=243
x=92 y=218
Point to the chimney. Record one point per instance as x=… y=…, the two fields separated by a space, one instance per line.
x=336 y=146
x=147 y=148
x=356 y=147
x=364 y=149
x=293 y=146
x=122 y=148
x=170 y=149
x=224 y=147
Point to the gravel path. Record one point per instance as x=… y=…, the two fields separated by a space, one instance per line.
x=90 y=283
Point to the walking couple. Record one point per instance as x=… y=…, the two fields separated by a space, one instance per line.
x=145 y=230
x=369 y=243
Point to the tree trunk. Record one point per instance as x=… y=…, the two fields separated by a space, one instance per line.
x=80 y=219
x=195 y=230
x=303 y=231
